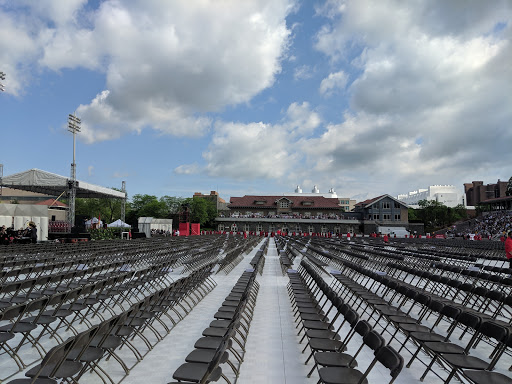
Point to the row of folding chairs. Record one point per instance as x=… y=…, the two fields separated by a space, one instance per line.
x=313 y=300
x=83 y=352
x=378 y=294
x=55 y=311
x=485 y=294
x=231 y=325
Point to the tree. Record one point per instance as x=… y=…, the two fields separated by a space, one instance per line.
x=509 y=187
x=108 y=208
x=436 y=215
x=202 y=211
x=172 y=203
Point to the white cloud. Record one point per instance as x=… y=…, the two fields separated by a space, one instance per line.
x=167 y=64
x=90 y=170
x=303 y=72
x=332 y=83
x=260 y=150
x=187 y=169
x=435 y=75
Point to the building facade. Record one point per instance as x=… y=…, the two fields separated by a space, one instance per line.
x=298 y=214
x=448 y=195
x=478 y=193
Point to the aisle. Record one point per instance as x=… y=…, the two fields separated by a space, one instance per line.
x=273 y=353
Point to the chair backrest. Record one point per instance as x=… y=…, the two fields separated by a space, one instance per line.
x=373 y=340
x=391 y=359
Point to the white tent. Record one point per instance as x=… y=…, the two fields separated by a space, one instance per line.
x=36 y=180
x=118 y=224
x=21 y=214
x=94 y=220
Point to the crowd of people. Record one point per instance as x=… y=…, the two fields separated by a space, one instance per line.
x=331 y=216
x=22 y=235
x=490 y=226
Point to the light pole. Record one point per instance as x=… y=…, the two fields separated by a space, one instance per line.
x=73 y=127
x=2 y=77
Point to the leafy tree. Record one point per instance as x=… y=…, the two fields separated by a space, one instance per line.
x=436 y=215
x=172 y=203
x=202 y=211
x=108 y=208
x=509 y=187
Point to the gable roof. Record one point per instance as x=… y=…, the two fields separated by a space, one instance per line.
x=367 y=203
x=52 y=203
x=249 y=201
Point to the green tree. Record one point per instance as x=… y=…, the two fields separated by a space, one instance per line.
x=108 y=208
x=436 y=215
x=172 y=203
x=202 y=211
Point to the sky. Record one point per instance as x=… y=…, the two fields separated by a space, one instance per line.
x=368 y=97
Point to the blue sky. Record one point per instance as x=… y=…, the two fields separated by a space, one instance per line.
x=246 y=97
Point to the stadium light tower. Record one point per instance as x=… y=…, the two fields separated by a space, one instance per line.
x=73 y=127
x=2 y=77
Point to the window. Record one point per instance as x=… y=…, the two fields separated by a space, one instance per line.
x=397 y=205
x=53 y=217
x=323 y=229
x=397 y=217
x=386 y=216
x=386 y=205
x=234 y=228
x=284 y=204
x=375 y=216
x=337 y=230
x=311 y=229
x=221 y=227
x=259 y=228
x=246 y=227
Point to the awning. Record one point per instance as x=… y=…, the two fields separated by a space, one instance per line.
x=35 y=180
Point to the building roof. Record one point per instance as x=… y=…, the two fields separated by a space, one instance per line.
x=36 y=180
x=368 y=202
x=52 y=203
x=249 y=201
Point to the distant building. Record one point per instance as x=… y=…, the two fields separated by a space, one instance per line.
x=220 y=203
x=312 y=213
x=491 y=194
x=448 y=195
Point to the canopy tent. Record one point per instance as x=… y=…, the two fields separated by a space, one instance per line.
x=118 y=224
x=19 y=215
x=89 y=223
x=35 y=180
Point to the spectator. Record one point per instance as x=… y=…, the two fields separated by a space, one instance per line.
x=508 y=248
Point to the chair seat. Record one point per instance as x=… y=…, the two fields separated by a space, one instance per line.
x=486 y=377
x=90 y=354
x=334 y=359
x=214 y=332
x=414 y=328
x=42 y=319
x=194 y=372
x=427 y=336
x=441 y=347
x=67 y=369
x=325 y=344
x=465 y=361
x=18 y=328
x=322 y=334
x=4 y=336
x=32 y=381
x=310 y=324
x=205 y=356
x=341 y=375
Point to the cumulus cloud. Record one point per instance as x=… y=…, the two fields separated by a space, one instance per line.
x=430 y=95
x=258 y=150
x=167 y=64
x=333 y=82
